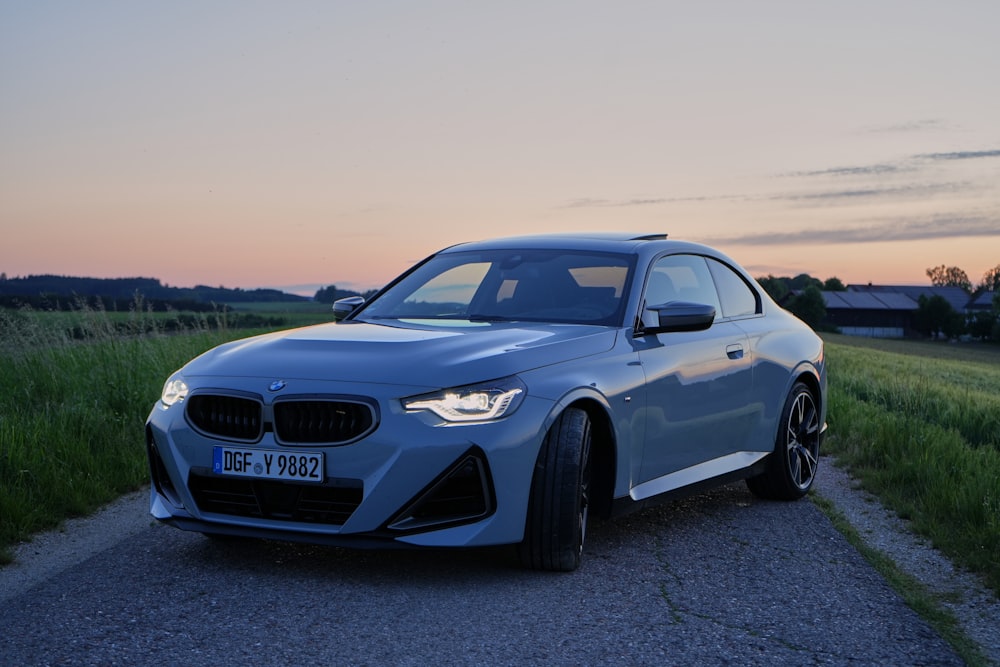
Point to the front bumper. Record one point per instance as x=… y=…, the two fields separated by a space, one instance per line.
x=412 y=481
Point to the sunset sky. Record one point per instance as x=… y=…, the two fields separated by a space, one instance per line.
x=301 y=144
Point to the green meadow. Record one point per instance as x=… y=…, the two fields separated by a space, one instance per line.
x=75 y=389
x=917 y=423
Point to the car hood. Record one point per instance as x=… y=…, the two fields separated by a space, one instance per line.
x=425 y=356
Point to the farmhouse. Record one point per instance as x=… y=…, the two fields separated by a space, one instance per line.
x=981 y=303
x=887 y=311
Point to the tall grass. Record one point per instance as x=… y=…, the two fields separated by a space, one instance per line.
x=924 y=434
x=72 y=411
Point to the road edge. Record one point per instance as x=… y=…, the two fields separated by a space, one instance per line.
x=961 y=594
x=49 y=553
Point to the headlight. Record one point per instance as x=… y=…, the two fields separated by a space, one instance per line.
x=175 y=390
x=472 y=403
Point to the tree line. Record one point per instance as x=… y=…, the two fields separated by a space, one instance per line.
x=802 y=295
x=52 y=292
x=331 y=293
x=46 y=291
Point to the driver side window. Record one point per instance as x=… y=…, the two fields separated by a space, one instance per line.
x=683 y=278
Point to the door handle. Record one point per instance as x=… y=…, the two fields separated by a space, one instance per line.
x=734 y=351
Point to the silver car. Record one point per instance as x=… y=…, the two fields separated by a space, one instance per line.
x=497 y=393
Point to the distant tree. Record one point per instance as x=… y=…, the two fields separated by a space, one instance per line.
x=3 y=277
x=985 y=325
x=989 y=283
x=777 y=288
x=996 y=311
x=331 y=293
x=936 y=316
x=834 y=285
x=804 y=280
x=949 y=276
x=326 y=294
x=809 y=306
x=982 y=325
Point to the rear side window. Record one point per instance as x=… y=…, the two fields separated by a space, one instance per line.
x=738 y=299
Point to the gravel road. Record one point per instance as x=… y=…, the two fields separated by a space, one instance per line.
x=722 y=578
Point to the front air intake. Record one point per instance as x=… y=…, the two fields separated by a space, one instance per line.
x=330 y=503
x=463 y=494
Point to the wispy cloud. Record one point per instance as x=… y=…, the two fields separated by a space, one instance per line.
x=935 y=227
x=960 y=155
x=647 y=201
x=903 y=166
x=914 y=191
x=865 y=170
x=858 y=173
x=898 y=192
x=909 y=126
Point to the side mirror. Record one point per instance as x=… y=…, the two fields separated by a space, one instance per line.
x=344 y=307
x=677 y=316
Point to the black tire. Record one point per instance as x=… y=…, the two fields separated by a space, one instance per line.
x=791 y=468
x=559 y=503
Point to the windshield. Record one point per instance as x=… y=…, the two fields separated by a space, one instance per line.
x=510 y=286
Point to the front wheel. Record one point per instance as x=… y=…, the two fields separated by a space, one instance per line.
x=791 y=468
x=558 y=506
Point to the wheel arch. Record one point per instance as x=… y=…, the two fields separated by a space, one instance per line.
x=810 y=380
x=603 y=453
x=815 y=379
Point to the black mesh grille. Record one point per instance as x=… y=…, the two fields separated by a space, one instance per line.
x=462 y=494
x=331 y=504
x=321 y=421
x=228 y=417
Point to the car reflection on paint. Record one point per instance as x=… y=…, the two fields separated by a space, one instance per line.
x=498 y=392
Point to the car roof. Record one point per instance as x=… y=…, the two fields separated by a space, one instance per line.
x=647 y=245
x=607 y=241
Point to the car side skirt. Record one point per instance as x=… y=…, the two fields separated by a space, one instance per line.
x=710 y=474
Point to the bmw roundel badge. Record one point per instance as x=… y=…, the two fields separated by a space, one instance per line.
x=277 y=385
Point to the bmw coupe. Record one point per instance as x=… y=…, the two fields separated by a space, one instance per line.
x=498 y=392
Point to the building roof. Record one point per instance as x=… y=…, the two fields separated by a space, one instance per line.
x=957 y=297
x=982 y=302
x=868 y=301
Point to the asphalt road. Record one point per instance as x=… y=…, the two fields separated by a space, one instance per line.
x=718 y=579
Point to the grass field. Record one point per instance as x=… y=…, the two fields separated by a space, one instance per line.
x=72 y=411
x=83 y=322
x=294 y=314
x=919 y=425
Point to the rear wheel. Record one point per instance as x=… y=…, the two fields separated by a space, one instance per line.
x=560 y=496
x=792 y=467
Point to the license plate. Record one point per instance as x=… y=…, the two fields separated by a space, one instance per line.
x=268 y=464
